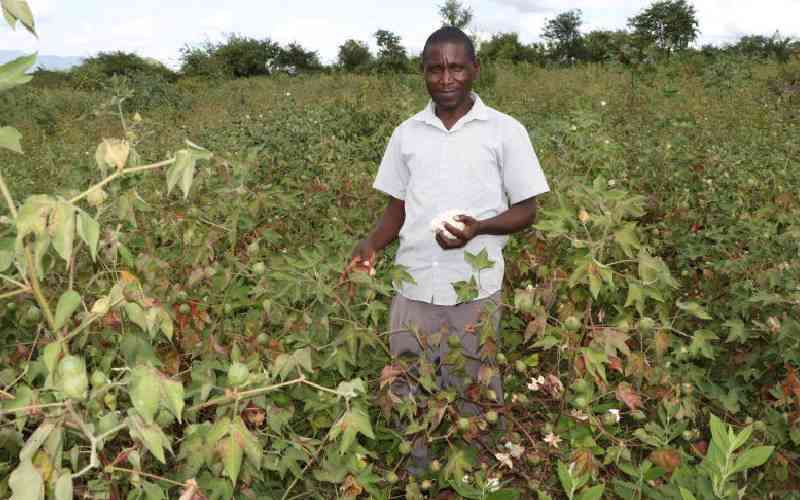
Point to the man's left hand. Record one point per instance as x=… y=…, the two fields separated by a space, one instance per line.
x=462 y=236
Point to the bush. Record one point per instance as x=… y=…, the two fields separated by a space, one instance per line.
x=237 y=57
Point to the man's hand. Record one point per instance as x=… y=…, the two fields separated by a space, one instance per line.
x=363 y=258
x=462 y=236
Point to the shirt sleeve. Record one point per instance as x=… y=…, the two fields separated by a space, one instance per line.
x=523 y=177
x=393 y=173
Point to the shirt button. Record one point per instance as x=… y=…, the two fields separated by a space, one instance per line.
x=435 y=264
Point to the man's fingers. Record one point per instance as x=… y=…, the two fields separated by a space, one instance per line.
x=449 y=243
x=456 y=232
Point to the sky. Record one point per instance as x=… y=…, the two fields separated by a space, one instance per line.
x=160 y=28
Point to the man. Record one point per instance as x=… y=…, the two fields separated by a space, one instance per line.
x=456 y=154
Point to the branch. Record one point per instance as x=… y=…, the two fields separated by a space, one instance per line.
x=238 y=396
x=125 y=171
x=37 y=291
x=7 y=195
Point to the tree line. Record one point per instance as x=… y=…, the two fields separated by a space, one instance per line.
x=664 y=28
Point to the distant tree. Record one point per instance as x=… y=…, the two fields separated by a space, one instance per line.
x=563 y=34
x=453 y=13
x=354 y=55
x=391 y=54
x=237 y=57
x=602 y=45
x=124 y=64
x=670 y=24
x=507 y=47
x=295 y=55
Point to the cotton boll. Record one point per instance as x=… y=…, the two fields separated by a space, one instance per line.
x=449 y=217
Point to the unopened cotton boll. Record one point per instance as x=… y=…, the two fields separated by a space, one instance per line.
x=449 y=217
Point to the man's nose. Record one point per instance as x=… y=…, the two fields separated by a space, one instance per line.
x=447 y=77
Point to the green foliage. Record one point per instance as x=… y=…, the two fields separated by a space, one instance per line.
x=453 y=13
x=671 y=24
x=563 y=35
x=507 y=47
x=208 y=343
x=354 y=55
x=391 y=54
x=237 y=57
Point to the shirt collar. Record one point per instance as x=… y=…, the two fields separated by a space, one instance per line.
x=479 y=111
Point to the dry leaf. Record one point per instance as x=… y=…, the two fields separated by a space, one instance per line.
x=627 y=395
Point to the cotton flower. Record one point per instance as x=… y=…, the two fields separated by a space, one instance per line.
x=573 y=128
x=615 y=413
x=606 y=142
x=603 y=103
x=536 y=382
x=515 y=450
x=493 y=484
x=612 y=183
x=449 y=217
x=504 y=459
x=552 y=439
x=288 y=94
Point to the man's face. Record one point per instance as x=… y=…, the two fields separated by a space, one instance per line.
x=449 y=73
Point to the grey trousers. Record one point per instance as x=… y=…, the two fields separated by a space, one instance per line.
x=413 y=323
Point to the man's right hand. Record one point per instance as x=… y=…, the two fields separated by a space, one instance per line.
x=363 y=258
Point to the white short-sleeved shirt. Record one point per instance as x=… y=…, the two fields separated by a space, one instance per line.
x=481 y=166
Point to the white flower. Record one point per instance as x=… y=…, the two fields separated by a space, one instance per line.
x=615 y=412
x=611 y=183
x=504 y=459
x=573 y=128
x=465 y=479
x=603 y=103
x=535 y=383
x=552 y=440
x=515 y=450
x=288 y=94
x=493 y=484
x=606 y=142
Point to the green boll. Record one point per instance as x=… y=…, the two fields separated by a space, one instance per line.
x=99 y=379
x=491 y=416
x=262 y=338
x=72 y=378
x=646 y=325
x=454 y=341
x=501 y=359
x=259 y=268
x=435 y=466
x=463 y=424
x=520 y=366
x=184 y=309
x=238 y=373
x=405 y=448
x=572 y=324
x=391 y=477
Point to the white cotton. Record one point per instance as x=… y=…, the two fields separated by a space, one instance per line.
x=438 y=222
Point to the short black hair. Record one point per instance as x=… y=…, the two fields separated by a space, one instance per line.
x=449 y=34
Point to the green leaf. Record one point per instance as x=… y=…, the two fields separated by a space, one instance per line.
x=153 y=491
x=7 y=253
x=459 y=461
x=18 y=10
x=151 y=436
x=172 y=393
x=181 y=173
x=252 y=448
x=565 y=477
x=504 y=494
x=26 y=483
x=686 y=494
x=136 y=314
x=50 y=356
x=63 y=488
x=466 y=291
x=34 y=442
x=719 y=433
x=737 y=332
x=627 y=239
x=33 y=216
x=466 y=490
x=349 y=426
x=479 y=261
x=89 y=231
x=144 y=392
x=593 y=493
x=694 y=309
x=12 y=73
x=232 y=454
x=754 y=457
x=67 y=304
x=701 y=343
x=10 y=139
